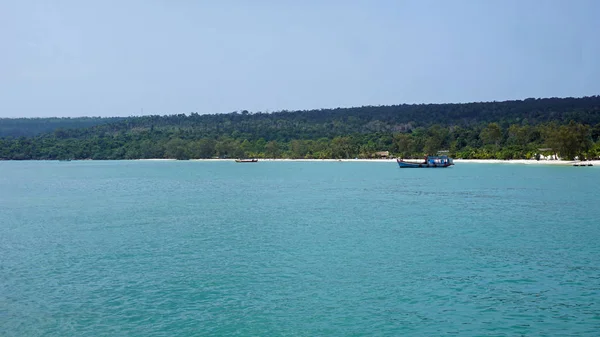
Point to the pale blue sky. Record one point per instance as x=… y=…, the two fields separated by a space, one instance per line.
x=112 y=58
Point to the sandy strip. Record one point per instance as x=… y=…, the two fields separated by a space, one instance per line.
x=526 y=162
x=456 y=161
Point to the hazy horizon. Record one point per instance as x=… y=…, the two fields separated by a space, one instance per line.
x=110 y=58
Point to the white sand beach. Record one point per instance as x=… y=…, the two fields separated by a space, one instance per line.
x=456 y=161
x=526 y=162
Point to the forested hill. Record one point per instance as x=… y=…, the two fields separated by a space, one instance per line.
x=27 y=127
x=569 y=127
x=312 y=124
x=328 y=123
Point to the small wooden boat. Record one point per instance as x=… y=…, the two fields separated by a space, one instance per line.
x=430 y=162
x=254 y=160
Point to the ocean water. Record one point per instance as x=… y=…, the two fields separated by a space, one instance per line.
x=144 y=248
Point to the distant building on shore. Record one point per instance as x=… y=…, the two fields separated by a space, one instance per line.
x=551 y=155
x=382 y=154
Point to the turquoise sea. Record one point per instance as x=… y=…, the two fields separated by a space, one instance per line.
x=187 y=248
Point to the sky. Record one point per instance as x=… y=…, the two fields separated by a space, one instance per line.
x=123 y=58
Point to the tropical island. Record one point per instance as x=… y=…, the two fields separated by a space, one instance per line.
x=567 y=128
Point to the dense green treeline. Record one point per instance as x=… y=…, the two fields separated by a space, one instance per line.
x=285 y=126
x=28 y=127
x=567 y=127
x=485 y=141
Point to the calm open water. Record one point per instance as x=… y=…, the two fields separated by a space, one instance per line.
x=142 y=248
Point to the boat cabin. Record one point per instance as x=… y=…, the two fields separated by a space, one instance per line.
x=438 y=160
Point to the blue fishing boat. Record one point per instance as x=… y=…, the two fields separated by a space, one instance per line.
x=430 y=162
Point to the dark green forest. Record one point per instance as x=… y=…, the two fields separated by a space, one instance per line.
x=28 y=127
x=567 y=127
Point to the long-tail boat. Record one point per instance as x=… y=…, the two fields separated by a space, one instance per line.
x=430 y=162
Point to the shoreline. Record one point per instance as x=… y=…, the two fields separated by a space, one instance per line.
x=457 y=161
x=526 y=162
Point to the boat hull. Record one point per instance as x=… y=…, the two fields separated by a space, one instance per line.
x=421 y=165
x=246 y=160
x=430 y=162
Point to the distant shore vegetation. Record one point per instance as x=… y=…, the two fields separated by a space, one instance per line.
x=568 y=128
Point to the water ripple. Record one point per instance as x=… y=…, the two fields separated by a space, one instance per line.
x=297 y=249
